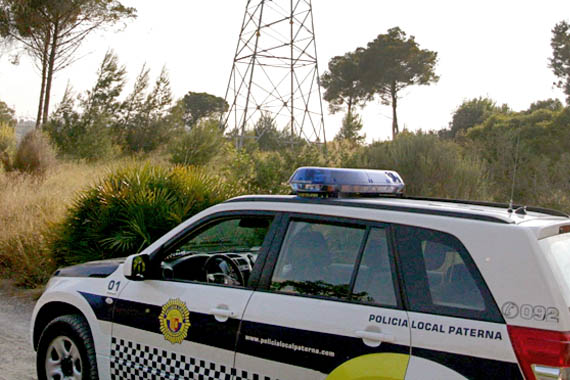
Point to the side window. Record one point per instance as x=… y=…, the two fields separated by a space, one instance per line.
x=440 y=276
x=317 y=259
x=374 y=281
x=336 y=261
x=222 y=252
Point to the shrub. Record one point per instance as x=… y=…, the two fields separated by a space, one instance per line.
x=7 y=144
x=199 y=145
x=7 y=137
x=131 y=208
x=35 y=154
x=75 y=138
x=430 y=166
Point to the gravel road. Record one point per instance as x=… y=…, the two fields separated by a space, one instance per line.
x=17 y=358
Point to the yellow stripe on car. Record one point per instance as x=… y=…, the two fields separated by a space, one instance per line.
x=373 y=367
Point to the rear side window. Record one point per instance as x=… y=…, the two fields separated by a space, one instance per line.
x=559 y=248
x=440 y=276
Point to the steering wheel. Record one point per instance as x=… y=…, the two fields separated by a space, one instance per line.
x=221 y=269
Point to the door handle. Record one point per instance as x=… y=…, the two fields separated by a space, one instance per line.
x=375 y=336
x=221 y=315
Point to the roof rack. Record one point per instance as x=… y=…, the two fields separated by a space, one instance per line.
x=377 y=206
x=540 y=210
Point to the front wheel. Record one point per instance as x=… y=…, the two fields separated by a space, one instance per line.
x=66 y=350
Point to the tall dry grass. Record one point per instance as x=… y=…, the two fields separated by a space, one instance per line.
x=28 y=207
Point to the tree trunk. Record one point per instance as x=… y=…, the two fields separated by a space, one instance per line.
x=51 y=64
x=394 y=94
x=44 y=58
x=42 y=92
x=349 y=106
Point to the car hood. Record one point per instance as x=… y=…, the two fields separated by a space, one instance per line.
x=98 y=269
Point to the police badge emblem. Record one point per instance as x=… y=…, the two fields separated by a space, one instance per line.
x=174 y=321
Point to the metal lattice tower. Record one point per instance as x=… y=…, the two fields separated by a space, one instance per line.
x=275 y=72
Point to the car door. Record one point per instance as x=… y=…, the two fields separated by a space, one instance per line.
x=328 y=305
x=183 y=322
x=457 y=329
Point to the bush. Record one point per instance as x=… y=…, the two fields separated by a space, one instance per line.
x=429 y=166
x=35 y=154
x=7 y=137
x=131 y=208
x=75 y=138
x=7 y=144
x=199 y=145
x=538 y=143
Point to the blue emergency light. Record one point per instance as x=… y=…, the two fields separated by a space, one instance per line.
x=345 y=182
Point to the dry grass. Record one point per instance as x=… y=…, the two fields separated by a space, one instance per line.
x=28 y=206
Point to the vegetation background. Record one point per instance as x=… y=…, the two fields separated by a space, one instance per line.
x=110 y=170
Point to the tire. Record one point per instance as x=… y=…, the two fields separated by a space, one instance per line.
x=66 y=350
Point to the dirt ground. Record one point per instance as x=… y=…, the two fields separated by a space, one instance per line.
x=17 y=358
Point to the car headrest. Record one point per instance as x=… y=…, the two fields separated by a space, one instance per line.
x=434 y=255
x=310 y=244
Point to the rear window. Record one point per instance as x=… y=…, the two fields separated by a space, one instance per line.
x=441 y=278
x=559 y=249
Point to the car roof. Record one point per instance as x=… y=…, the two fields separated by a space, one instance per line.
x=484 y=211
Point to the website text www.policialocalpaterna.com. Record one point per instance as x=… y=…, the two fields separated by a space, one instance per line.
x=289 y=346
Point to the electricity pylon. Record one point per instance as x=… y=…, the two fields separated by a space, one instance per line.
x=275 y=72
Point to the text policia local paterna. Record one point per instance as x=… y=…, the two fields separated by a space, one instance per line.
x=437 y=327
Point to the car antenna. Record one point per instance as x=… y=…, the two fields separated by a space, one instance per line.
x=520 y=210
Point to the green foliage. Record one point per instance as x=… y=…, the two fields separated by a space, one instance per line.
x=256 y=172
x=429 y=166
x=64 y=125
x=7 y=144
x=7 y=138
x=343 y=83
x=88 y=135
x=560 y=60
x=198 y=106
x=537 y=144
x=267 y=172
x=102 y=101
x=34 y=154
x=145 y=123
x=350 y=130
x=199 y=145
x=471 y=113
x=141 y=123
x=392 y=62
x=131 y=208
x=7 y=115
x=268 y=137
x=548 y=104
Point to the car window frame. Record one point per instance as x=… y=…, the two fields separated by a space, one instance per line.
x=418 y=275
x=201 y=225
x=278 y=240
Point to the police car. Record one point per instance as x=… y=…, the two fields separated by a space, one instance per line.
x=347 y=279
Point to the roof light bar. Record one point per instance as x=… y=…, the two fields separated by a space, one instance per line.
x=338 y=182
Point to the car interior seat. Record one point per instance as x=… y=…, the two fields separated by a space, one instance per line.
x=462 y=289
x=434 y=257
x=309 y=257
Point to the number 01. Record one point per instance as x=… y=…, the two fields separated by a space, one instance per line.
x=114 y=286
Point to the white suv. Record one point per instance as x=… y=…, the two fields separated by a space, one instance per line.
x=348 y=279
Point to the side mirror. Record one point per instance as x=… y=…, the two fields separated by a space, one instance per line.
x=135 y=267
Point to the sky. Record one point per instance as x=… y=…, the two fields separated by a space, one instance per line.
x=497 y=49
